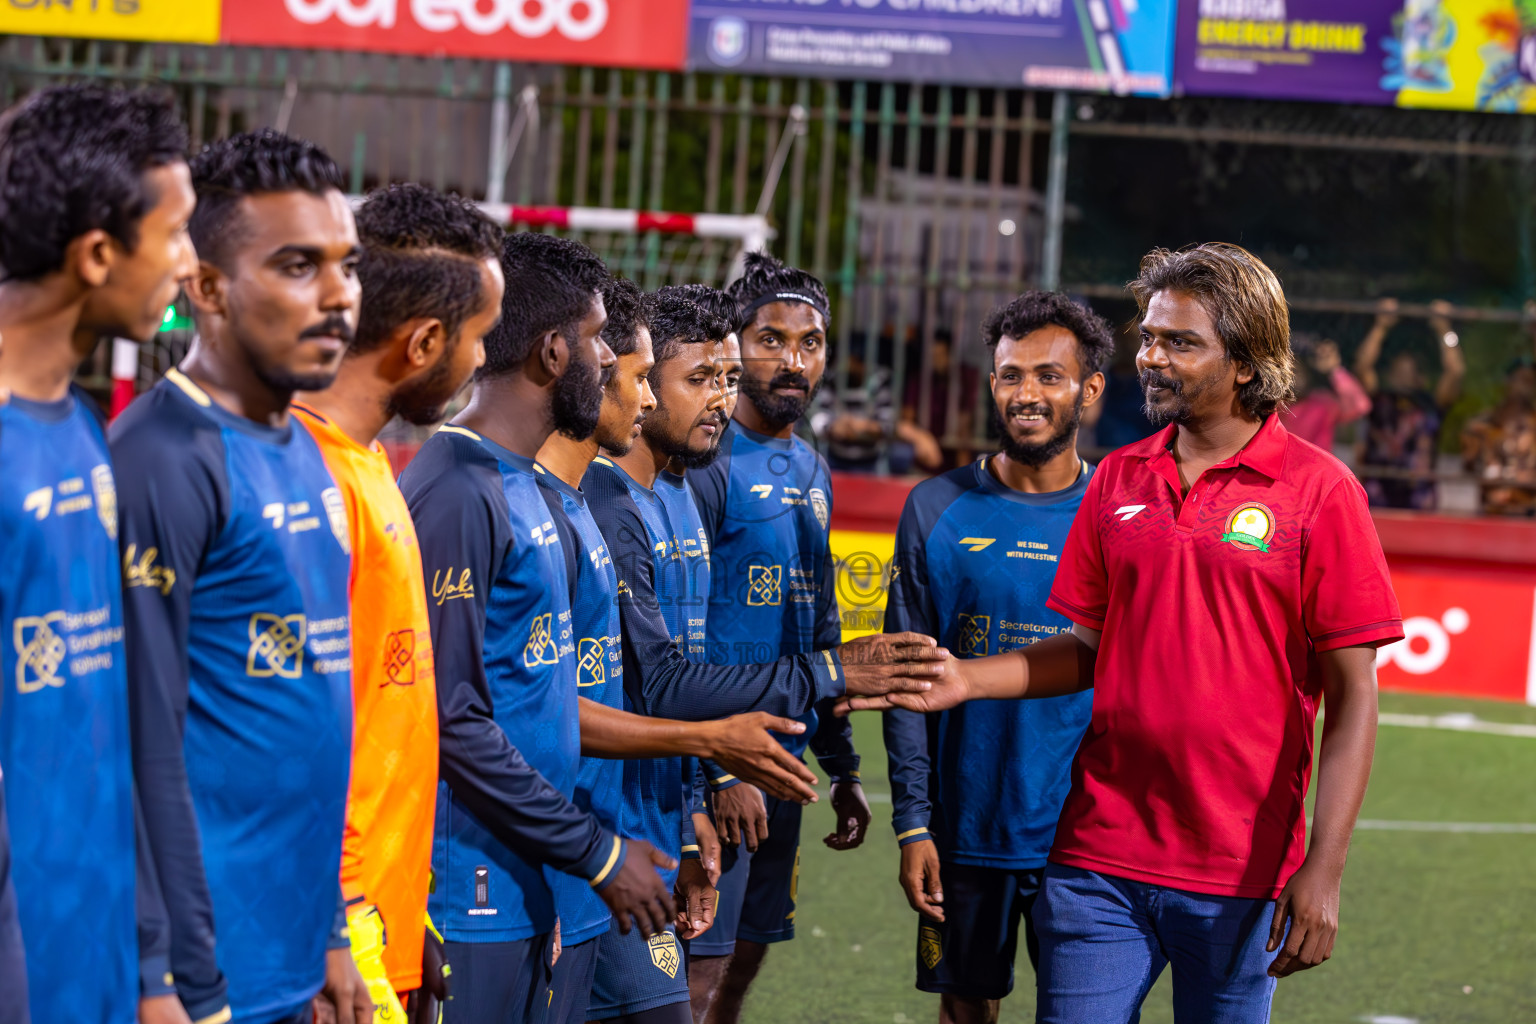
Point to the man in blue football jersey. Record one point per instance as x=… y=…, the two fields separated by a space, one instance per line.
x=505 y=641
x=656 y=539
x=607 y=731
x=94 y=201
x=236 y=554
x=979 y=788
x=767 y=504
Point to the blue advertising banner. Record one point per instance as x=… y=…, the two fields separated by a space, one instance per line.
x=1121 y=46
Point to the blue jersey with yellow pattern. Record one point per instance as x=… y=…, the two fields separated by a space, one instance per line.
x=505 y=643
x=236 y=557
x=64 y=740
x=600 y=678
x=973 y=567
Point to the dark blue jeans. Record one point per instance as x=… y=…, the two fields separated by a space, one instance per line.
x=1104 y=941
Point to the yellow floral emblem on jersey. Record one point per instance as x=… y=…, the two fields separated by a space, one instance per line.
x=541 y=648
x=764 y=583
x=39 y=652
x=974 y=630
x=277 y=646
x=589 y=663
x=1250 y=526
x=664 y=953
x=930 y=946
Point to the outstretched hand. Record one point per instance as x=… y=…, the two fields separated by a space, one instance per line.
x=943 y=691
x=890 y=663
x=745 y=746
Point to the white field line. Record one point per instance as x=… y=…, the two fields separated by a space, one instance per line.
x=1459 y=722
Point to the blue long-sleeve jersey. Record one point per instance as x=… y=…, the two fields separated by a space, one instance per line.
x=505 y=644
x=236 y=558
x=64 y=739
x=599 y=677
x=766 y=505
x=974 y=564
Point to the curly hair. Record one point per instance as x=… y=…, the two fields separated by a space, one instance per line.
x=251 y=164
x=550 y=285
x=1034 y=310
x=1245 y=299
x=628 y=311
x=677 y=320
x=72 y=160
x=716 y=300
x=422 y=251
x=765 y=280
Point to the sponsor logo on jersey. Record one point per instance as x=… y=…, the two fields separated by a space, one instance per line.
x=974 y=630
x=975 y=544
x=140 y=570
x=445 y=588
x=106 y=499
x=1126 y=512
x=541 y=649
x=39 y=651
x=762 y=490
x=1250 y=527
x=820 y=507
x=664 y=955
x=589 y=662
x=400 y=657
x=930 y=946
x=277 y=646
x=764 y=583
x=39 y=503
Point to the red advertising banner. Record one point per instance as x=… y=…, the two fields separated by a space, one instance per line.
x=614 y=33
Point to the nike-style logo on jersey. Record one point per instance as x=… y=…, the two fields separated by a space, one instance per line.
x=1127 y=512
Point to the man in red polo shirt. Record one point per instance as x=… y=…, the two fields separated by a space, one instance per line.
x=1223 y=578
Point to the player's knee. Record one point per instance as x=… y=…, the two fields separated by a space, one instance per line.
x=955 y=1009
x=745 y=962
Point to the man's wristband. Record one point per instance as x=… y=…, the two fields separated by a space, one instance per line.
x=913 y=835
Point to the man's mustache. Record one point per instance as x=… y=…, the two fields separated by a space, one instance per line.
x=1153 y=379
x=790 y=380
x=333 y=326
x=1032 y=410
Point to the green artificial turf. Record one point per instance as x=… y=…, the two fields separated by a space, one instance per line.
x=1425 y=916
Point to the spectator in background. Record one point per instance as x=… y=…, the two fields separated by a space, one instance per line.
x=1403 y=431
x=1499 y=446
x=860 y=423
x=1330 y=394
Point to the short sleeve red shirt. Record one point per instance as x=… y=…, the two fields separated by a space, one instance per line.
x=1213 y=607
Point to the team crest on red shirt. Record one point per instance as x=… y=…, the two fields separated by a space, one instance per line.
x=1250 y=526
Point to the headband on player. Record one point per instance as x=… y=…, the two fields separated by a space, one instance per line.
x=749 y=311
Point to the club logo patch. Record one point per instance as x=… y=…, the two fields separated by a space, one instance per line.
x=589 y=663
x=930 y=946
x=973 y=635
x=664 y=956
x=820 y=507
x=106 y=499
x=336 y=512
x=764 y=585
x=277 y=646
x=541 y=649
x=1250 y=527
x=39 y=651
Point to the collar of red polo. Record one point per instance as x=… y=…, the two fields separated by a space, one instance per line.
x=1264 y=453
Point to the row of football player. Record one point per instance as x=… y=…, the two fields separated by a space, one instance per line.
x=188 y=718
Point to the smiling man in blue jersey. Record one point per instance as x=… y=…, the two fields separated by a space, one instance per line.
x=236 y=558
x=645 y=508
x=94 y=201
x=767 y=504
x=505 y=640
x=978 y=789
x=608 y=732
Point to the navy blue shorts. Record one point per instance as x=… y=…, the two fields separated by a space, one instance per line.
x=635 y=973
x=757 y=890
x=971 y=952
x=570 y=985
x=1104 y=940
x=498 y=982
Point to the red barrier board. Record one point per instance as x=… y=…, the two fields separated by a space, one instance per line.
x=613 y=33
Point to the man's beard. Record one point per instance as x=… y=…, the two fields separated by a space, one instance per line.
x=578 y=397
x=424 y=403
x=1183 y=405
x=282 y=381
x=690 y=458
x=779 y=410
x=1037 y=455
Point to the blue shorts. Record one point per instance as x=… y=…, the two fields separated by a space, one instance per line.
x=971 y=952
x=635 y=973
x=757 y=890
x=498 y=982
x=1104 y=941
x=570 y=984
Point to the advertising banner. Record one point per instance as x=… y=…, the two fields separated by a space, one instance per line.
x=612 y=33
x=169 y=21
x=1122 y=46
x=1450 y=54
